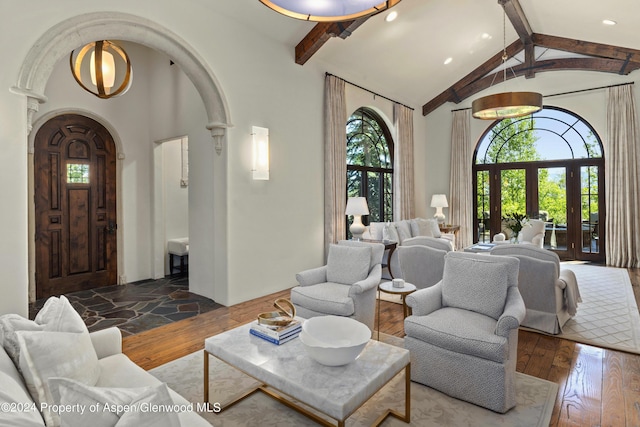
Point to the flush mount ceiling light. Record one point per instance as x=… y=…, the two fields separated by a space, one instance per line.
x=328 y=10
x=101 y=68
x=508 y=104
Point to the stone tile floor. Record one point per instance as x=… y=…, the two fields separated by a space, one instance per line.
x=137 y=307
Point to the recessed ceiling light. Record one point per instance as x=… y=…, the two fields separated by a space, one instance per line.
x=448 y=61
x=391 y=16
x=609 y=22
x=485 y=36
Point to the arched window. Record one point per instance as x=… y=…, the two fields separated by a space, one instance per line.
x=548 y=166
x=370 y=163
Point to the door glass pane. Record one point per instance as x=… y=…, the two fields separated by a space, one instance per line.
x=374 y=196
x=354 y=183
x=77 y=173
x=552 y=202
x=484 y=209
x=590 y=239
x=388 y=197
x=513 y=199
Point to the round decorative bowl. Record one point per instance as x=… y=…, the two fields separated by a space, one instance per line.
x=334 y=340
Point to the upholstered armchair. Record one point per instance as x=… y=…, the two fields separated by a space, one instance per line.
x=346 y=286
x=421 y=265
x=550 y=293
x=439 y=244
x=463 y=333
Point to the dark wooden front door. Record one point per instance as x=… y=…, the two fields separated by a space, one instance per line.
x=75 y=206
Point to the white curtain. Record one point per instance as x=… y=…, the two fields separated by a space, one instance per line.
x=461 y=180
x=403 y=179
x=622 y=173
x=335 y=160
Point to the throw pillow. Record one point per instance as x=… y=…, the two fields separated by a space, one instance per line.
x=375 y=230
x=421 y=227
x=390 y=233
x=435 y=228
x=404 y=230
x=57 y=314
x=478 y=282
x=348 y=264
x=55 y=354
x=120 y=407
x=13 y=396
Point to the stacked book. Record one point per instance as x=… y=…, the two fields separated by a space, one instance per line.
x=276 y=334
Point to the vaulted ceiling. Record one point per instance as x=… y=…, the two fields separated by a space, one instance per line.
x=405 y=58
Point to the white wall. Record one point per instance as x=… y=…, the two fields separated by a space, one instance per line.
x=252 y=236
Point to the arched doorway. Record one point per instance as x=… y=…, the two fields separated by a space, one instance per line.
x=548 y=166
x=209 y=278
x=75 y=206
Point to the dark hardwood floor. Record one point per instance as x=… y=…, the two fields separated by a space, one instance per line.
x=598 y=387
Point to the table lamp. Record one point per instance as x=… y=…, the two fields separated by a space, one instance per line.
x=439 y=201
x=357 y=206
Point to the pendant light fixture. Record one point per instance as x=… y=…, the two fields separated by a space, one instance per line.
x=508 y=104
x=102 y=68
x=328 y=10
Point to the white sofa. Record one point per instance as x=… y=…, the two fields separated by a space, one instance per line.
x=116 y=370
x=416 y=231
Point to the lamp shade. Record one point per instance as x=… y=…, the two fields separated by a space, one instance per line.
x=506 y=105
x=439 y=201
x=357 y=206
x=328 y=10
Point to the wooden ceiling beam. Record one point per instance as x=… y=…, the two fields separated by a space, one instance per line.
x=451 y=94
x=586 y=48
x=321 y=33
x=518 y=19
x=604 y=58
x=561 y=64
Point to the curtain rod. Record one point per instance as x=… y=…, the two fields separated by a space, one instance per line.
x=370 y=91
x=569 y=93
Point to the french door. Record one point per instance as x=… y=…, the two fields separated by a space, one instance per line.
x=566 y=195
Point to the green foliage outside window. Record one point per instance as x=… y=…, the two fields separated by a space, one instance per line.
x=370 y=163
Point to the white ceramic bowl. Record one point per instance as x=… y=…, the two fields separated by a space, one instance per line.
x=334 y=340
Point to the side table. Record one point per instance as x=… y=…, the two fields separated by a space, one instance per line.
x=388 y=246
x=387 y=287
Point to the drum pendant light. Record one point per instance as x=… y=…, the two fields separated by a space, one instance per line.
x=508 y=104
x=329 y=10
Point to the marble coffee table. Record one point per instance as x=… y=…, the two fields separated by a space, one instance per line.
x=287 y=373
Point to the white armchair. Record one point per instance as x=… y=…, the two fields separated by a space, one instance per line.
x=532 y=233
x=346 y=286
x=550 y=293
x=463 y=333
x=420 y=265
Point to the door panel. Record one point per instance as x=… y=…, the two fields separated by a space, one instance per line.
x=590 y=242
x=552 y=208
x=75 y=204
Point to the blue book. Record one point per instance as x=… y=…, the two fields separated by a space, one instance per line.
x=273 y=340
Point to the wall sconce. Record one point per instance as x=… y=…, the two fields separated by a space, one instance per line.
x=260 y=153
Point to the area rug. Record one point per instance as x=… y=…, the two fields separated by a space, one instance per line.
x=608 y=315
x=535 y=397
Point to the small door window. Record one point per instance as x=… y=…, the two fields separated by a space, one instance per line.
x=77 y=173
